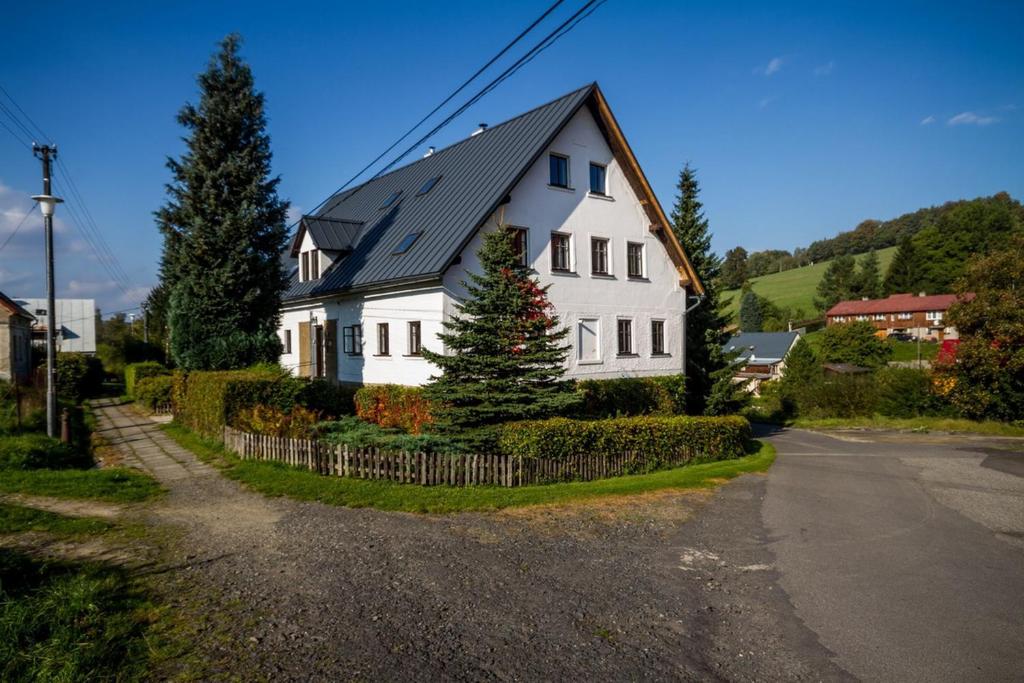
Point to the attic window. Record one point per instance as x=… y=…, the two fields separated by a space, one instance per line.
x=428 y=186
x=406 y=243
x=391 y=199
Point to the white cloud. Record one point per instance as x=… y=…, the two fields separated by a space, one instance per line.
x=765 y=101
x=824 y=69
x=969 y=118
x=773 y=66
x=928 y=120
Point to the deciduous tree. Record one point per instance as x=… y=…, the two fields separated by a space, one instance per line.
x=855 y=343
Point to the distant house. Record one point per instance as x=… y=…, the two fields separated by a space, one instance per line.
x=76 y=323
x=379 y=269
x=763 y=355
x=917 y=315
x=15 y=340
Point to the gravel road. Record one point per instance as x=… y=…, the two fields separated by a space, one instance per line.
x=672 y=586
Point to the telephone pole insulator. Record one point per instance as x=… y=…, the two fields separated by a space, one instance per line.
x=47 y=203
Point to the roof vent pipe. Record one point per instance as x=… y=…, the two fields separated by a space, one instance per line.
x=430 y=152
x=481 y=129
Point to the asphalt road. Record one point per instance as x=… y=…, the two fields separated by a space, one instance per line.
x=903 y=554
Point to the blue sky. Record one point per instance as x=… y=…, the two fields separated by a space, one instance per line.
x=802 y=118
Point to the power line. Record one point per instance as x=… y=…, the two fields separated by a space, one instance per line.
x=17 y=121
x=543 y=44
x=17 y=137
x=446 y=100
x=18 y=227
x=23 y=113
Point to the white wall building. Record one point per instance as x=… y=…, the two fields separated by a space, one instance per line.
x=76 y=323
x=380 y=268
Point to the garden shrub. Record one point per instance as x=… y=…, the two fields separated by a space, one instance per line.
x=663 y=395
x=154 y=391
x=206 y=401
x=297 y=423
x=706 y=438
x=909 y=392
x=839 y=396
x=356 y=433
x=79 y=376
x=394 y=406
x=38 y=451
x=327 y=398
x=134 y=372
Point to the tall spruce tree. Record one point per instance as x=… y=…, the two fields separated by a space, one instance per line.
x=223 y=226
x=869 y=278
x=751 y=315
x=505 y=357
x=838 y=283
x=706 y=323
x=904 y=274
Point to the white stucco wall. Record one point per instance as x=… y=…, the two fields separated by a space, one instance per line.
x=579 y=295
x=76 y=322
x=576 y=296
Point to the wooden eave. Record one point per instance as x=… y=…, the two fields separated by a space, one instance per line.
x=638 y=181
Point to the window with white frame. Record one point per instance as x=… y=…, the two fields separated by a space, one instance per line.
x=878 y=316
x=287 y=341
x=352 y=340
x=861 y=318
x=904 y=316
x=598 y=179
x=599 y=256
x=589 y=347
x=657 y=337
x=933 y=316
x=559 y=170
x=561 y=252
x=625 y=335
x=635 y=259
x=383 y=339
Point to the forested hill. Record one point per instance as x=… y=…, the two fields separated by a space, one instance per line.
x=970 y=223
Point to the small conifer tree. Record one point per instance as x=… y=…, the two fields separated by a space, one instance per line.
x=504 y=355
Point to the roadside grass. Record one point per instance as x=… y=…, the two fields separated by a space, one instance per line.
x=15 y=519
x=276 y=479
x=70 y=621
x=114 y=485
x=914 y=424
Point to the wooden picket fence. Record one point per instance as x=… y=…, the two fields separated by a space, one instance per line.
x=430 y=469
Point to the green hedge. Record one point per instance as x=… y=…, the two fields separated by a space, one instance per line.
x=154 y=391
x=206 y=401
x=79 y=376
x=663 y=395
x=703 y=438
x=38 y=451
x=134 y=372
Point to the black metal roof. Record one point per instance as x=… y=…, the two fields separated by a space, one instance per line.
x=476 y=175
x=327 y=233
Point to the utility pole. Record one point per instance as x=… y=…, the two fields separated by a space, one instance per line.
x=145 y=323
x=47 y=203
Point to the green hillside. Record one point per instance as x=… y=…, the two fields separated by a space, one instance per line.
x=796 y=288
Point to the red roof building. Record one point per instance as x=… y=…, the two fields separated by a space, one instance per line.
x=918 y=315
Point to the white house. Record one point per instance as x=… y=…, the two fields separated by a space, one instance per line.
x=379 y=268
x=76 y=323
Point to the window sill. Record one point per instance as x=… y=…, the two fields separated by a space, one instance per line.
x=382 y=355
x=601 y=195
x=637 y=278
x=560 y=188
x=661 y=355
x=565 y=273
x=627 y=355
x=412 y=355
x=603 y=276
x=590 y=362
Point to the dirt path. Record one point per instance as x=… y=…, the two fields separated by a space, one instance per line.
x=612 y=591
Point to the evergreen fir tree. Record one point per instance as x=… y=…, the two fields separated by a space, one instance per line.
x=904 y=274
x=838 y=283
x=706 y=323
x=505 y=358
x=803 y=371
x=751 y=316
x=734 y=268
x=727 y=397
x=223 y=226
x=869 y=279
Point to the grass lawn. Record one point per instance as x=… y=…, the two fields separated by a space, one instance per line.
x=797 y=287
x=918 y=424
x=108 y=485
x=15 y=519
x=275 y=479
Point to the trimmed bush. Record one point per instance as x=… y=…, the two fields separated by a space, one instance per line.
x=79 y=376
x=154 y=391
x=663 y=395
x=206 y=401
x=37 y=451
x=702 y=438
x=297 y=423
x=355 y=433
x=134 y=372
x=909 y=392
x=393 y=406
x=328 y=399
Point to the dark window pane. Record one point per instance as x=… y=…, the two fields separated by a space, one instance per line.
x=635 y=259
x=599 y=256
x=597 y=179
x=383 y=340
x=519 y=244
x=428 y=186
x=414 y=338
x=657 y=336
x=559 y=252
x=559 y=171
x=406 y=243
x=625 y=337
x=392 y=198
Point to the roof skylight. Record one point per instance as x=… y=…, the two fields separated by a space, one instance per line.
x=391 y=199
x=428 y=186
x=406 y=243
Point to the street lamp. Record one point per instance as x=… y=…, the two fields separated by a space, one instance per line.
x=47 y=203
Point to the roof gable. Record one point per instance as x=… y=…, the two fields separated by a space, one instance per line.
x=761 y=345
x=476 y=175
x=14 y=308
x=897 y=303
